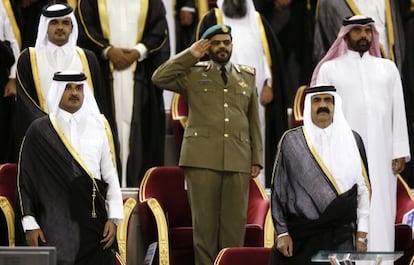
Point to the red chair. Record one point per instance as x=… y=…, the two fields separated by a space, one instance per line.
x=166 y=217
x=403 y=232
x=179 y=115
x=297 y=108
x=7 y=197
x=243 y=256
x=8 y=181
x=123 y=228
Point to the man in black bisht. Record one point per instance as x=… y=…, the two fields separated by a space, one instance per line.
x=67 y=181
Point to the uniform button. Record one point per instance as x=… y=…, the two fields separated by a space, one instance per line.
x=225 y=90
x=195 y=133
x=244 y=92
x=226 y=105
x=226 y=119
x=226 y=135
x=205 y=89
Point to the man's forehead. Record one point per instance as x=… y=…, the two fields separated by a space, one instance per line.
x=74 y=84
x=358 y=27
x=322 y=95
x=220 y=37
x=61 y=19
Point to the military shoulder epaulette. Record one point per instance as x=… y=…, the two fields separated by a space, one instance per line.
x=205 y=64
x=245 y=68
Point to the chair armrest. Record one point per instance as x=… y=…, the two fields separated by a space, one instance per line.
x=162 y=228
x=269 y=231
x=122 y=229
x=8 y=212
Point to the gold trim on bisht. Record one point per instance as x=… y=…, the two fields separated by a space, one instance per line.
x=13 y=23
x=320 y=162
x=78 y=159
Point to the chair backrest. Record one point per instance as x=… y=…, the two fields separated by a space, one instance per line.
x=179 y=115
x=7 y=198
x=403 y=232
x=8 y=181
x=405 y=200
x=167 y=185
x=297 y=108
x=7 y=231
x=258 y=203
x=243 y=256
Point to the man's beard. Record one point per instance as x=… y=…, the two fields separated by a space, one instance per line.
x=235 y=8
x=221 y=59
x=361 y=45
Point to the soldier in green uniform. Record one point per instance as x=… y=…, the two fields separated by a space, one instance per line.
x=222 y=145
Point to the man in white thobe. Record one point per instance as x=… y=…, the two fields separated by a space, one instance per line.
x=130 y=38
x=55 y=50
x=373 y=104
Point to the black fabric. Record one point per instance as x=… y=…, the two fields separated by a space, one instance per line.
x=362 y=21
x=59 y=76
x=56 y=13
x=223 y=74
x=7 y=107
x=318 y=89
x=57 y=191
x=333 y=230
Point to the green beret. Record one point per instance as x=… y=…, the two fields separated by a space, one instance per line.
x=216 y=29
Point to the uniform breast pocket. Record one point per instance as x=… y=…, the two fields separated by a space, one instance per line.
x=206 y=95
x=243 y=97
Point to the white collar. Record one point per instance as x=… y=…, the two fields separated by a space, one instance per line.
x=53 y=48
x=67 y=116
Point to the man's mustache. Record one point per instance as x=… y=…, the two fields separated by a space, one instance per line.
x=362 y=40
x=74 y=98
x=323 y=109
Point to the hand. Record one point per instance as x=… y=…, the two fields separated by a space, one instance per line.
x=132 y=54
x=186 y=18
x=360 y=246
x=33 y=236
x=266 y=96
x=280 y=4
x=10 y=89
x=255 y=171
x=199 y=48
x=119 y=58
x=398 y=165
x=109 y=234
x=285 y=245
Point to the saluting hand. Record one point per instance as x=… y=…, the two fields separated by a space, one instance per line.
x=199 y=48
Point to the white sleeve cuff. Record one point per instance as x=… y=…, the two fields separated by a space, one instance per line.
x=143 y=51
x=189 y=9
x=283 y=234
x=29 y=223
